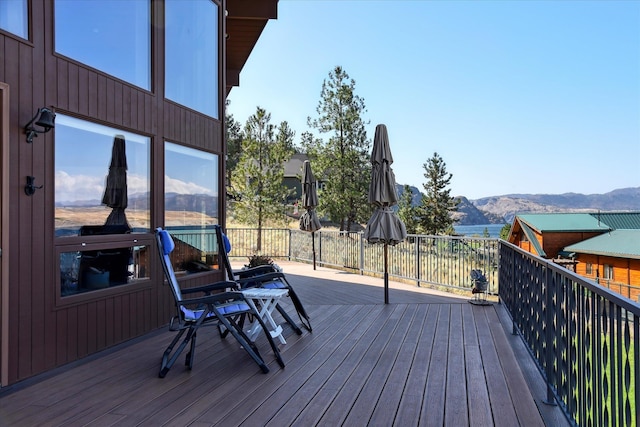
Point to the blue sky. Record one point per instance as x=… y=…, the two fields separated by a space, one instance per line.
x=515 y=96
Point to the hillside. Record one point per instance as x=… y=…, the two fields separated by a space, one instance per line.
x=507 y=206
x=502 y=209
x=467 y=214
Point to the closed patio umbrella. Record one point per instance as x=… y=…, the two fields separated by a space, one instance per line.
x=384 y=226
x=309 y=219
x=115 y=192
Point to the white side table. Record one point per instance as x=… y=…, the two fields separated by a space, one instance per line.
x=267 y=300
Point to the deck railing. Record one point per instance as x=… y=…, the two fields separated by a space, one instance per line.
x=584 y=337
x=424 y=260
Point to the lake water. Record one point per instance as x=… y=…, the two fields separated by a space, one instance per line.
x=478 y=230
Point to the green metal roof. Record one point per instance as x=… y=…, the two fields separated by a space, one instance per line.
x=619 y=220
x=616 y=243
x=566 y=222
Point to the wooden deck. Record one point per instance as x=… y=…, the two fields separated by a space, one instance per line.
x=427 y=358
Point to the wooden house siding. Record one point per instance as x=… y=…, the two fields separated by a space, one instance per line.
x=554 y=242
x=42 y=332
x=626 y=273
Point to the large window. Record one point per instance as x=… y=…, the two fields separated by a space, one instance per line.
x=14 y=17
x=95 y=269
x=191 y=206
x=113 y=36
x=191 y=54
x=101 y=179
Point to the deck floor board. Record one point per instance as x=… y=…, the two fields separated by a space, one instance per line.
x=427 y=358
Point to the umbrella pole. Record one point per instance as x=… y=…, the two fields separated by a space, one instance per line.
x=313 y=248
x=386 y=277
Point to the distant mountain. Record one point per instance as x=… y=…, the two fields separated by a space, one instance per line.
x=202 y=203
x=192 y=203
x=467 y=214
x=502 y=209
x=508 y=206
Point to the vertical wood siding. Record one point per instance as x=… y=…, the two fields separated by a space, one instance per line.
x=43 y=335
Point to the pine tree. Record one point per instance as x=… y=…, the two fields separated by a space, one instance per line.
x=437 y=204
x=407 y=212
x=342 y=162
x=259 y=175
x=505 y=231
x=233 y=136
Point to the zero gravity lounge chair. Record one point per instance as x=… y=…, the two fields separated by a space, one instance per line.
x=263 y=276
x=211 y=304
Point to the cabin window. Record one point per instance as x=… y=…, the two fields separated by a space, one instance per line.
x=191 y=207
x=113 y=36
x=83 y=271
x=14 y=17
x=608 y=272
x=589 y=268
x=191 y=54
x=101 y=179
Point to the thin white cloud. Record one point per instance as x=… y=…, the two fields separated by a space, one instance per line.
x=78 y=187
x=172 y=185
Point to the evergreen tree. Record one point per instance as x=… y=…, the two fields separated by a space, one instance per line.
x=233 y=136
x=259 y=175
x=342 y=162
x=407 y=212
x=437 y=204
x=505 y=231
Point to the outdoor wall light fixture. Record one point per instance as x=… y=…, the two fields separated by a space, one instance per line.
x=31 y=188
x=45 y=119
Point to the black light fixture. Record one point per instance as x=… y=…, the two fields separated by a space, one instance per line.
x=45 y=119
x=31 y=187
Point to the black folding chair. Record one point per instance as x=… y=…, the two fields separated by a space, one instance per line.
x=263 y=276
x=216 y=304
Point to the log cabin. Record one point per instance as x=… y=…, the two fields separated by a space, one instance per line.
x=600 y=246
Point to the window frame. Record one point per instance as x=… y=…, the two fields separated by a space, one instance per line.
x=93 y=67
x=27 y=35
x=218 y=87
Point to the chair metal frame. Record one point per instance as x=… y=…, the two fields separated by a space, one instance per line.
x=217 y=306
x=264 y=276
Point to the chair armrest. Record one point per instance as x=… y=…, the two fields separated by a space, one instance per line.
x=253 y=271
x=214 y=298
x=262 y=279
x=211 y=287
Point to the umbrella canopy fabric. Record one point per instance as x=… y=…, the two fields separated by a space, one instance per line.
x=115 y=192
x=384 y=226
x=382 y=189
x=309 y=219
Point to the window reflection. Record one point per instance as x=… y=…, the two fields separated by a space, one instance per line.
x=101 y=178
x=191 y=54
x=14 y=17
x=191 y=206
x=85 y=271
x=113 y=36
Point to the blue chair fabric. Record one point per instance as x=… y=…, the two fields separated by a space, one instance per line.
x=215 y=304
x=264 y=276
